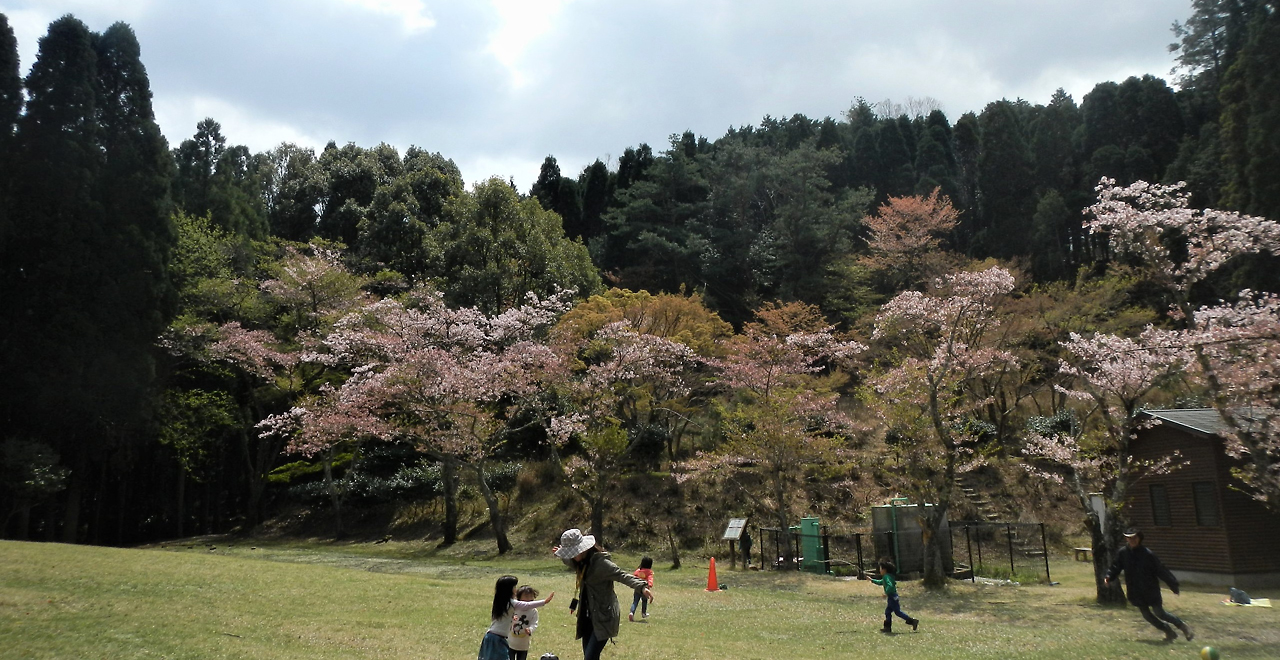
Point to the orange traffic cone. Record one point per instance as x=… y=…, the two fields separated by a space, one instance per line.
x=712 y=584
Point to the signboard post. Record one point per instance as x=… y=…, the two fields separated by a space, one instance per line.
x=732 y=533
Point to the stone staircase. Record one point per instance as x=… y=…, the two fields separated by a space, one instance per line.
x=992 y=512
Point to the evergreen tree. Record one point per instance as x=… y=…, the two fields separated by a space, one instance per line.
x=10 y=109
x=632 y=166
x=1051 y=143
x=833 y=136
x=196 y=159
x=596 y=184
x=1101 y=122
x=293 y=187
x=435 y=181
x=352 y=175
x=935 y=160
x=10 y=89
x=133 y=190
x=236 y=202
x=84 y=286
x=1151 y=120
x=497 y=247
x=647 y=239
x=569 y=206
x=392 y=234
x=897 y=176
x=967 y=138
x=864 y=160
x=1051 y=229
x=1005 y=177
x=910 y=129
x=1251 y=121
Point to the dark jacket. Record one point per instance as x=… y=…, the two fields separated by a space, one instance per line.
x=1143 y=571
x=597 y=591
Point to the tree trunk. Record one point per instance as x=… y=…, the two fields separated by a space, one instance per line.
x=675 y=548
x=935 y=574
x=1105 y=547
x=495 y=512
x=780 y=513
x=597 y=503
x=71 y=514
x=597 y=518
x=256 y=481
x=182 y=496
x=333 y=493
x=24 y=523
x=449 y=479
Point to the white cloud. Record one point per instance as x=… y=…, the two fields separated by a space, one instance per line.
x=178 y=117
x=521 y=23
x=412 y=13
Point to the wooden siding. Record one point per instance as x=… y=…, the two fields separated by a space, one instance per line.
x=1247 y=538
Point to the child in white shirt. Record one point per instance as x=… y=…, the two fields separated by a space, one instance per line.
x=524 y=623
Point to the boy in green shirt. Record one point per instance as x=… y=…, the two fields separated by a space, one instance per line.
x=890 y=585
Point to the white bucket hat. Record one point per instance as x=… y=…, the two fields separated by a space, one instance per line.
x=573 y=543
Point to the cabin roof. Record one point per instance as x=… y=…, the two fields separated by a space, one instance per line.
x=1206 y=421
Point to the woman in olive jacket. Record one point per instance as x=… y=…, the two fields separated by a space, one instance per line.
x=597 y=605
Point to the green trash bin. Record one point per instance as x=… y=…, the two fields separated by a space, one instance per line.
x=815 y=559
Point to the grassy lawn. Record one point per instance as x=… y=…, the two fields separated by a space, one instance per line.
x=405 y=601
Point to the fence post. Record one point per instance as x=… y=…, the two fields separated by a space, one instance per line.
x=951 y=548
x=857 y=542
x=980 y=545
x=973 y=570
x=1044 y=547
x=826 y=548
x=1008 y=532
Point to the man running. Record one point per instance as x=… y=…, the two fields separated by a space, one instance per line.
x=1143 y=571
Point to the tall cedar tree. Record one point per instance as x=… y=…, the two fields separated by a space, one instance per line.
x=10 y=108
x=1251 y=121
x=10 y=90
x=85 y=278
x=1005 y=176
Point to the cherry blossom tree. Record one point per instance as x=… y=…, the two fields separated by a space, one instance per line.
x=674 y=316
x=1114 y=378
x=445 y=379
x=1233 y=342
x=308 y=289
x=938 y=343
x=625 y=378
x=906 y=234
x=780 y=379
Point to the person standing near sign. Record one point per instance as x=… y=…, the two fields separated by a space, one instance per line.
x=745 y=541
x=599 y=615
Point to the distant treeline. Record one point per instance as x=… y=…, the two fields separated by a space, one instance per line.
x=94 y=202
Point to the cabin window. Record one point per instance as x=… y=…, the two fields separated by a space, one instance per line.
x=1160 y=516
x=1206 y=498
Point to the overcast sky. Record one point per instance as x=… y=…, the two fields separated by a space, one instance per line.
x=497 y=85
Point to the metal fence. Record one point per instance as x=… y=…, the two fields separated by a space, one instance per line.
x=1000 y=551
x=848 y=553
x=975 y=550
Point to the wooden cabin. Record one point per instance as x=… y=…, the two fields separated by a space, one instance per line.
x=1196 y=518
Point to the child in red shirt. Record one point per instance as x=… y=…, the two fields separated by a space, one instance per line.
x=645 y=572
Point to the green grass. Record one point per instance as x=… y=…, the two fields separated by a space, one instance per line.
x=318 y=601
